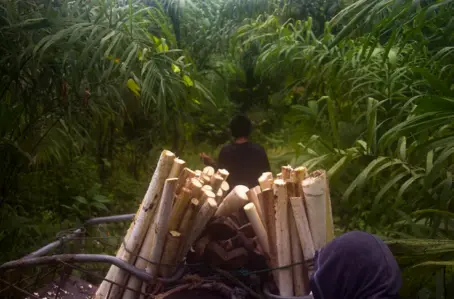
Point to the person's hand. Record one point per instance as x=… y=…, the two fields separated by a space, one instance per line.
x=206 y=159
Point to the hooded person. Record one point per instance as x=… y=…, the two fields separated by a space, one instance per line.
x=356 y=265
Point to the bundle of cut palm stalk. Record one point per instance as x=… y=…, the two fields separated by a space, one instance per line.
x=291 y=216
x=176 y=208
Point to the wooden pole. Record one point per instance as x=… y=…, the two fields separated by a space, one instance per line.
x=252 y=214
x=184 y=176
x=179 y=208
x=284 y=252
x=177 y=168
x=252 y=196
x=189 y=217
x=207 y=187
x=314 y=189
x=138 y=227
x=266 y=180
x=219 y=196
x=205 y=195
x=208 y=171
x=161 y=226
x=260 y=199
x=304 y=233
x=216 y=182
x=195 y=186
x=329 y=213
x=298 y=176
x=300 y=173
x=203 y=216
x=294 y=189
x=225 y=187
x=299 y=284
x=103 y=289
x=155 y=238
x=169 y=256
x=187 y=225
x=269 y=213
x=234 y=201
x=205 y=179
x=223 y=172
x=286 y=172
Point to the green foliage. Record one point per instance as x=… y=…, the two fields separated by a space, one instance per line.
x=377 y=94
x=92 y=91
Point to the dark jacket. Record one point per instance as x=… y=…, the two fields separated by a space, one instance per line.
x=245 y=162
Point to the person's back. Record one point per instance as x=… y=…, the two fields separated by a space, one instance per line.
x=245 y=162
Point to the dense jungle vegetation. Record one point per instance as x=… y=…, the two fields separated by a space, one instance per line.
x=92 y=90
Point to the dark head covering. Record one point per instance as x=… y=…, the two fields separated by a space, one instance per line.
x=356 y=265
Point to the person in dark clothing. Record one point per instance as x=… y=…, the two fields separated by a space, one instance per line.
x=356 y=265
x=244 y=160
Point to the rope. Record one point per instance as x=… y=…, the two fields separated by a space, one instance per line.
x=145 y=259
x=245 y=272
x=241 y=272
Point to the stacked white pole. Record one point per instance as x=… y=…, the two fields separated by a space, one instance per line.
x=296 y=219
x=291 y=217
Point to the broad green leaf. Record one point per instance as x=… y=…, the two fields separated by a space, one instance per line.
x=435 y=264
x=362 y=144
x=439 y=163
x=429 y=161
x=337 y=167
x=371 y=124
x=386 y=166
x=446 y=192
x=435 y=82
x=408 y=183
x=333 y=120
x=435 y=104
x=434 y=211
x=100 y=206
x=393 y=181
x=101 y=198
x=362 y=177
x=81 y=199
x=402 y=148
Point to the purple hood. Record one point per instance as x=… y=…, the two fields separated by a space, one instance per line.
x=356 y=265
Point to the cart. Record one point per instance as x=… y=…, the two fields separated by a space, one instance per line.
x=63 y=270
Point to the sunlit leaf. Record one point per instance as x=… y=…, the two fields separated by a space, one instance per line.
x=187 y=81
x=133 y=86
x=175 y=68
